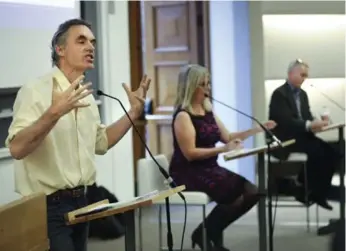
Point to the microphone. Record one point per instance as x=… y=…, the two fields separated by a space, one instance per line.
x=268 y=132
x=327 y=97
x=169 y=179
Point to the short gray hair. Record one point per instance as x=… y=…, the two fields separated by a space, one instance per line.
x=295 y=63
x=59 y=38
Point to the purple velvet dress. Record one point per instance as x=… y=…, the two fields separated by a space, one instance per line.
x=222 y=185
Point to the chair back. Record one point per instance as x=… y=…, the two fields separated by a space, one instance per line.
x=149 y=177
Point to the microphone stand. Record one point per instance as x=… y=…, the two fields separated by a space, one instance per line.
x=168 y=180
x=269 y=142
x=270 y=139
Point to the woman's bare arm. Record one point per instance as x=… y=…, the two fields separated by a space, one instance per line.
x=186 y=135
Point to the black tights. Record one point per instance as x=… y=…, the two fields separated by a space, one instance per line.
x=225 y=214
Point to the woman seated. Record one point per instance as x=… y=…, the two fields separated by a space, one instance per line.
x=196 y=130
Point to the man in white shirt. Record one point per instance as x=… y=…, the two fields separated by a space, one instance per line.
x=56 y=132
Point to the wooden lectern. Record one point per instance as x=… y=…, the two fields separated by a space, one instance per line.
x=104 y=208
x=23 y=224
x=260 y=152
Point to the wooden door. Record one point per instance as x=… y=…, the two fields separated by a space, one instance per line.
x=170 y=42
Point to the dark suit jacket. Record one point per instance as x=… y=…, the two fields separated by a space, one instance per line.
x=283 y=110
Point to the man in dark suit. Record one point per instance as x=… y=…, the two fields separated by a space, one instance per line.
x=289 y=107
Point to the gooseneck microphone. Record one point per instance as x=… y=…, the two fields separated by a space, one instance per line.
x=270 y=137
x=267 y=131
x=169 y=179
x=327 y=97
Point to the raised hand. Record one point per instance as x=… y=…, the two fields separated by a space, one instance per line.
x=137 y=98
x=64 y=102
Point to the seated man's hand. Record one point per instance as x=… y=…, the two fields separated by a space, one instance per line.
x=317 y=125
x=270 y=124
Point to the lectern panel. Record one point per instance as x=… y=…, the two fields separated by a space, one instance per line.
x=23 y=224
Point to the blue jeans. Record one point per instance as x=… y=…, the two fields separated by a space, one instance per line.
x=61 y=236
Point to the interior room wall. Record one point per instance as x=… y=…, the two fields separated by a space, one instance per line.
x=231 y=67
x=317 y=39
x=115 y=169
x=222 y=67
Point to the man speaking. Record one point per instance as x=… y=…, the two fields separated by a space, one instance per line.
x=56 y=132
x=289 y=107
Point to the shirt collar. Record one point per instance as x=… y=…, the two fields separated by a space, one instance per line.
x=60 y=78
x=293 y=88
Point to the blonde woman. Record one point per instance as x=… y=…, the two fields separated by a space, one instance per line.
x=196 y=130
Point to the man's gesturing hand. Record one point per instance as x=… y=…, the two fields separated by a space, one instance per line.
x=64 y=102
x=137 y=98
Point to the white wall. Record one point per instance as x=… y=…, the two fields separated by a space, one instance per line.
x=222 y=67
x=302 y=7
x=24 y=37
x=115 y=170
x=231 y=67
x=317 y=39
x=257 y=65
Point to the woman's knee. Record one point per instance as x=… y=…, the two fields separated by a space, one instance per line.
x=239 y=200
x=250 y=189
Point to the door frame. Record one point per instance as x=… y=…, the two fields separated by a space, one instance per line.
x=136 y=71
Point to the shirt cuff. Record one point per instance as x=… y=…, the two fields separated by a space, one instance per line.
x=307 y=125
x=101 y=146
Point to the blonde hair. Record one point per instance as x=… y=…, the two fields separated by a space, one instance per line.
x=190 y=77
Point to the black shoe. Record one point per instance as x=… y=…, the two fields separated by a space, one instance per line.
x=197 y=239
x=217 y=241
x=323 y=203
x=302 y=199
x=299 y=194
x=220 y=248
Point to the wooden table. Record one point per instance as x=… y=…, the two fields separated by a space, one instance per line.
x=260 y=152
x=127 y=207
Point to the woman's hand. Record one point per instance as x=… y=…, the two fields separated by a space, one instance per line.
x=269 y=125
x=233 y=145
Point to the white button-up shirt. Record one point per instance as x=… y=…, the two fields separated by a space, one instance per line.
x=65 y=158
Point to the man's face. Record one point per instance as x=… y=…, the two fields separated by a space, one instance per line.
x=298 y=75
x=79 y=49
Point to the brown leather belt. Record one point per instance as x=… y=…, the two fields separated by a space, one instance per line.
x=70 y=192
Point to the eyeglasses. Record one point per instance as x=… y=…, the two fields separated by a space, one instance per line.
x=205 y=84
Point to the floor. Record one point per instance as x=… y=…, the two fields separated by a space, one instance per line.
x=290 y=230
